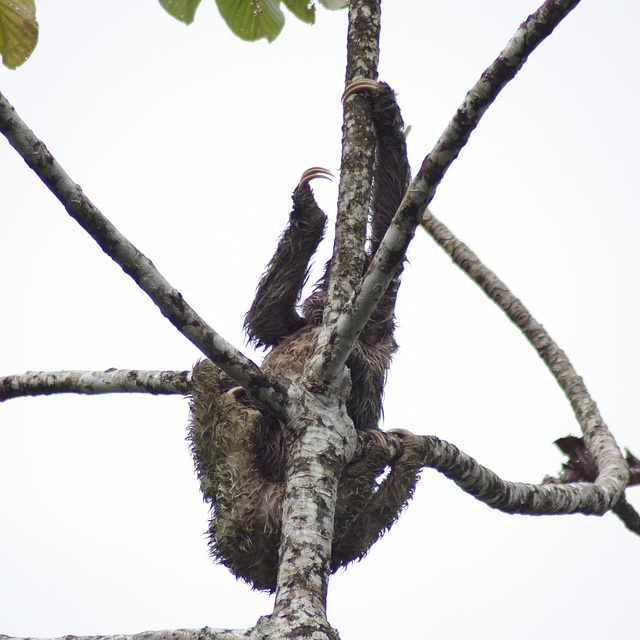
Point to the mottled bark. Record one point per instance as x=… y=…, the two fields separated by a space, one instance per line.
x=320 y=436
x=518 y=497
x=135 y=263
x=356 y=172
x=601 y=445
x=421 y=191
x=176 y=634
x=44 y=383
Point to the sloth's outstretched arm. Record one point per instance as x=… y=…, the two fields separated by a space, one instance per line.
x=273 y=315
x=392 y=173
x=391 y=179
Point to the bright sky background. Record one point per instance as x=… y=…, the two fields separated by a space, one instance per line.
x=191 y=141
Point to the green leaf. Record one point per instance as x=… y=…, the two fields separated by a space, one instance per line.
x=302 y=9
x=18 y=31
x=183 y=10
x=334 y=5
x=252 y=19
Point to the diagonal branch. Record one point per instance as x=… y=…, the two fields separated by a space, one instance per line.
x=602 y=447
x=393 y=248
x=44 y=383
x=135 y=263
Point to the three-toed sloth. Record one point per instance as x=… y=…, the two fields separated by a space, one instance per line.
x=239 y=446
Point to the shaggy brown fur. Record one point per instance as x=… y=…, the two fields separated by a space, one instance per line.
x=273 y=319
x=239 y=446
x=245 y=528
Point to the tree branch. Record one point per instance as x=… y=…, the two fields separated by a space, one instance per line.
x=356 y=172
x=324 y=436
x=518 y=497
x=580 y=468
x=44 y=383
x=136 y=264
x=178 y=634
x=628 y=515
x=393 y=248
x=358 y=154
x=322 y=439
x=601 y=445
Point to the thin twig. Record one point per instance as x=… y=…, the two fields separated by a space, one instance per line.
x=628 y=515
x=579 y=467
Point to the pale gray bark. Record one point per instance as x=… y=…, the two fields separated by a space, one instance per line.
x=353 y=317
x=519 y=497
x=323 y=440
x=44 y=383
x=356 y=173
x=601 y=445
x=176 y=634
x=321 y=437
x=135 y=263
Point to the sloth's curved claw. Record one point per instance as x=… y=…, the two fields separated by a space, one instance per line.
x=401 y=433
x=378 y=436
x=359 y=85
x=235 y=392
x=314 y=172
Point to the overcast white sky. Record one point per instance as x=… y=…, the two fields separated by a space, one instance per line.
x=191 y=141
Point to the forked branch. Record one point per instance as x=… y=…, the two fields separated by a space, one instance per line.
x=393 y=248
x=135 y=263
x=600 y=443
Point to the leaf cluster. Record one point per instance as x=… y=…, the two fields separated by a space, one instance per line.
x=250 y=20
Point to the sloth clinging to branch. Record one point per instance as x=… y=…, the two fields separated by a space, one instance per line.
x=239 y=446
